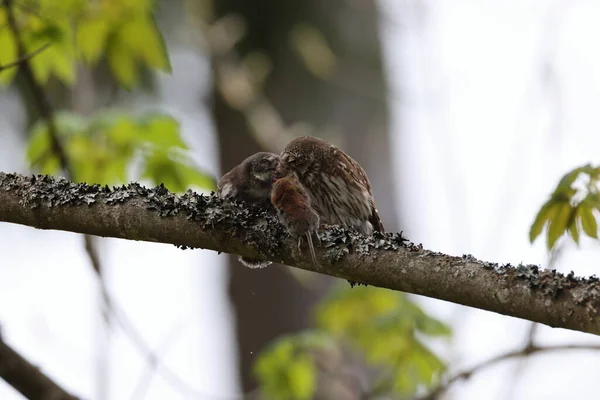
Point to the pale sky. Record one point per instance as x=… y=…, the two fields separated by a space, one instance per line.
x=502 y=100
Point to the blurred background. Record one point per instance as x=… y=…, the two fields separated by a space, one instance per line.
x=464 y=113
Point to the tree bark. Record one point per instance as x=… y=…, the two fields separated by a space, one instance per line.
x=197 y=221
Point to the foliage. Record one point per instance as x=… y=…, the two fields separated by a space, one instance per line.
x=121 y=32
x=384 y=326
x=286 y=368
x=101 y=149
x=571 y=208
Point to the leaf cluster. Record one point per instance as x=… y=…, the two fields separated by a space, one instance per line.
x=571 y=209
x=123 y=33
x=384 y=327
x=106 y=148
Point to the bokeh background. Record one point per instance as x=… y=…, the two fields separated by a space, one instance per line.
x=464 y=113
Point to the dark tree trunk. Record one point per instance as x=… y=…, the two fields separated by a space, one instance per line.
x=351 y=102
x=268 y=302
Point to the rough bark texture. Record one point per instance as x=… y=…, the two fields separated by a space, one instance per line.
x=28 y=379
x=388 y=261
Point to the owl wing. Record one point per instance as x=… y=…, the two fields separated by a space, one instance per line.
x=357 y=174
x=374 y=219
x=226 y=187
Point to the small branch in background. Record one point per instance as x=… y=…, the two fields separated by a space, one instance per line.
x=466 y=374
x=102 y=335
x=19 y=61
x=26 y=378
x=92 y=253
x=553 y=257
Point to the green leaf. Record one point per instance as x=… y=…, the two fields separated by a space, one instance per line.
x=63 y=6
x=176 y=175
x=121 y=130
x=8 y=54
x=302 y=378
x=122 y=63
x=142 y=37
x=588 y=221
x=286 y=370
x=42 y=64
x=160 y=169
x=192 y=176
x=116 y=170
x=594 y=172
x=427 y=364
x=91 y=38
x=345 y=311
x=573 y=225
x=64 y=65
x=53 y=32
x=558 y=223
x=542 y=217
x=432 y=327
x=567 y=180
x=39 y=145
x=162 y=130
x=384 y=326
x=405 y=382
x=59 y=58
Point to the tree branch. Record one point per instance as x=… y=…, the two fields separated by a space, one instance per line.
x=466 y=374
x=22 y=59
x=26 y=378
x=197 y=221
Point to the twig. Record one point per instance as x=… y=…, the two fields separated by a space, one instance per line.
x=466 y=374
x=23 y=58
x=26 y=378
x=553 y=257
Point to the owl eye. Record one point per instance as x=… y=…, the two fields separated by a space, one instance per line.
x=265 y=162
x=290 y=159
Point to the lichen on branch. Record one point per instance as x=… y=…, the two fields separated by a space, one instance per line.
x=386 y=260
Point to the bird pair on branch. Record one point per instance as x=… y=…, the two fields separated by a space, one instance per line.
x=310 y=184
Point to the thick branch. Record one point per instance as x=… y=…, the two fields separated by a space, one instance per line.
x=26 y=378
x=192 y=220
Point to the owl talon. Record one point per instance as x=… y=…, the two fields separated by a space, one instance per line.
x=311 y=247
x=294 y=209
